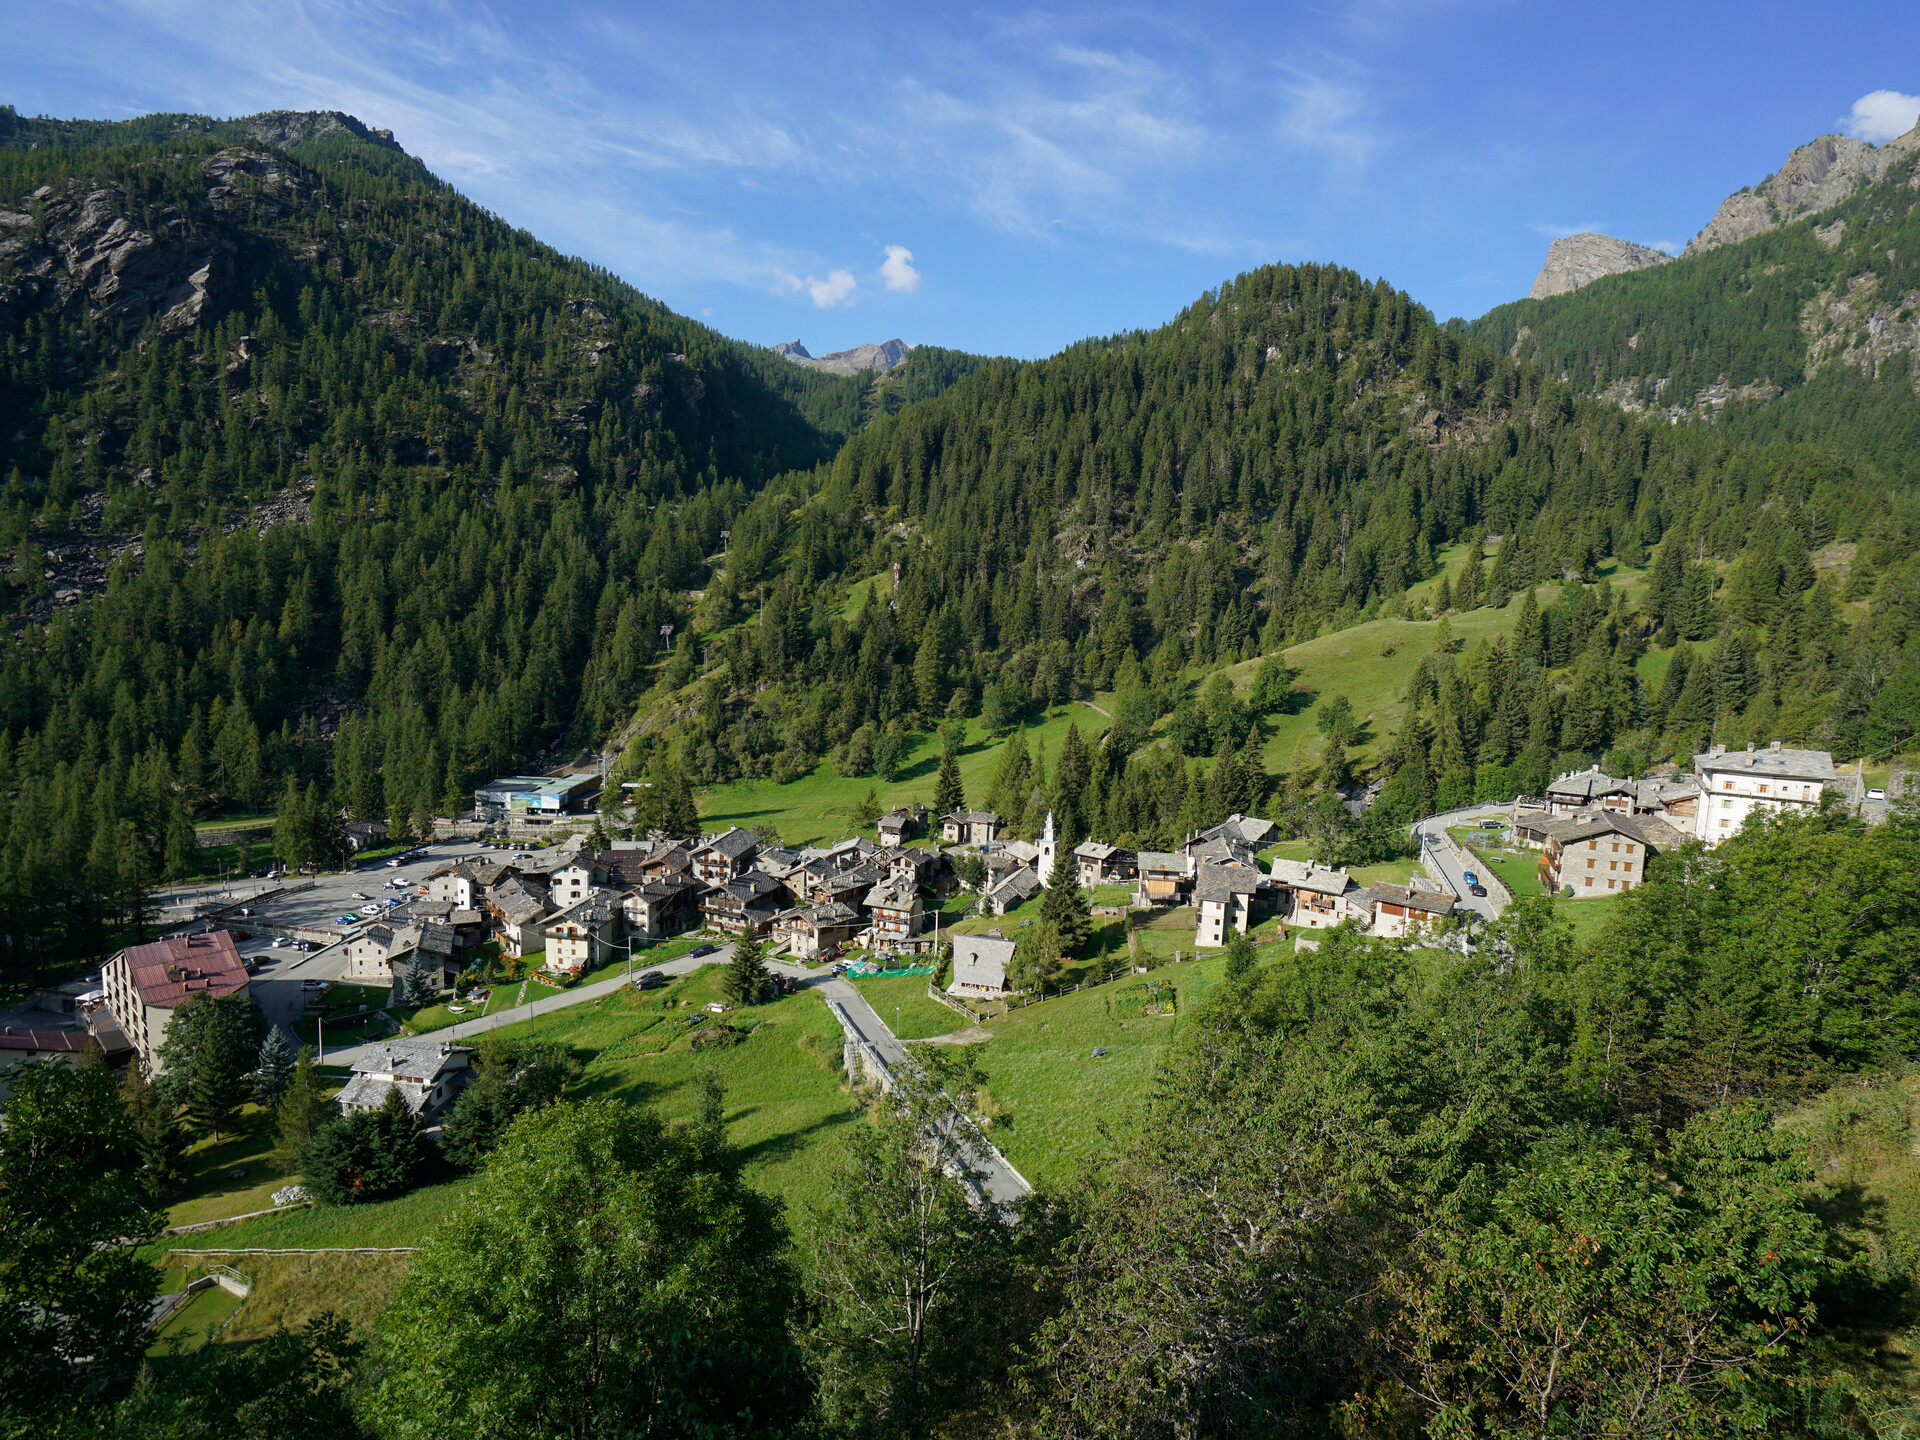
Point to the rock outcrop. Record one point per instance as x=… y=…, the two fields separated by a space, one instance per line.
x=879 y=358
x=1816 y=177
x=80 y=252
x=1579 y=260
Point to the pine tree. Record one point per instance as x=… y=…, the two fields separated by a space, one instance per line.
x=1070 y=776
x=417 y=987
x=275 y=1069
x=304 y=1108
x=746 y=973
x=1068 y=909
x=159 y=1135
x=948 y=796
x=217 y=1089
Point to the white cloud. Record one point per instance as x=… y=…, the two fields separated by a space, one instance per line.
x=1329 y=115
x=1881 y=115
x=897 y=272
x=1561 y=232
x=837 y=289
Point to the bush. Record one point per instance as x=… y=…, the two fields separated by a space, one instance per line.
x=366 y=1155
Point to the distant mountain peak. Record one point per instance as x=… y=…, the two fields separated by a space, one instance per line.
x=878 y=358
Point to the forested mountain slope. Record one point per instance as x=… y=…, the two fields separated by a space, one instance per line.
x=314 y=471
x=1804 y=332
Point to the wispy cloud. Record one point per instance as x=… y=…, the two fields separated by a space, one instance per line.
x=1882 y=115
x=1561 y=232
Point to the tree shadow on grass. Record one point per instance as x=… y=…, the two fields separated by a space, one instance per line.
x=782 y=1147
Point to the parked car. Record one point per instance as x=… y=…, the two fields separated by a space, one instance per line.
x=345 y=919
x=279 y=940
x=391 y=864
x=1470 y=877
x=650 y=980
x=700 y=950
x=358 y=896
x=1492 y=824
x=1479 y=890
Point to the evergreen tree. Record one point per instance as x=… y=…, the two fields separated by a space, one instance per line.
x=218 y=1087
x=158 y=1135
x=746 y=973
x=1067 y=909
x=1035 y=967
x=1240 y=956
x=274 y=1069
x=948 y=796
x=418 y=982
x=304 y=1108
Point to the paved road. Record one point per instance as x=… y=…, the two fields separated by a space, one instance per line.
x=1002 y=1183
x=1439 y=857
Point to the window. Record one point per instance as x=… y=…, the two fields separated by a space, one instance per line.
x=1616 y=847
x=1610 y=884
x=1763 y=789
x=1629 y=849
x=1593 y=844
x=1589 y=882
x=1726 y=785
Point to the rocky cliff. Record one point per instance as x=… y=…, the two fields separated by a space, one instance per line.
x=878 y=358
x=83 y=251
x=1816 y=177
x=1579 y=260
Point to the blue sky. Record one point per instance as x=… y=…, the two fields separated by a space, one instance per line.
x=1009 y=179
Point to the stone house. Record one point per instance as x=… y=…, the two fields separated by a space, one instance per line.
x=980 y=965
x=1735 y=783
x=428 y=1074
x=1225 y=897
x=726 y=856
x=970 y=827
x=1602 y=854
x=582 y=934
x=1399 y=909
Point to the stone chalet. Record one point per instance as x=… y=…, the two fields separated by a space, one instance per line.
x=364 y=834
x=381 y=954
x=980 y=965
x=894 y=917
x=517 y=909
x=1162 y=878
x=1225 y=897
x=1246 y=829
x=970 y=827
x=929 y=869
x=1589 y=787
x=725 y=856
x=808 y=930
x=583 y=933
x=1600 y=853
x=427 y=1073
x=1103 y=864
x=836 y=886
x=1400 y=909
x=658 y=908
x=143 y=983
x=744 y=906
x=1318 y=897
x=1735 y=783
x=895 y=829
x=1019 y=883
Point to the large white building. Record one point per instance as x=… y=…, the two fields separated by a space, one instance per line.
x=1735 y=783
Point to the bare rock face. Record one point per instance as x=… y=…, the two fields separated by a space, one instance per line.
x=1579 y=260
x=1816 y=177
x=879 y=358
x=82 y=253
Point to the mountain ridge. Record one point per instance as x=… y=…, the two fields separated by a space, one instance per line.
x=877 y=358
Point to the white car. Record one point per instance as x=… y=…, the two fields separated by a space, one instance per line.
x=358 y=896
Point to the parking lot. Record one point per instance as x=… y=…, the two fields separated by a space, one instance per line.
x=279 y=985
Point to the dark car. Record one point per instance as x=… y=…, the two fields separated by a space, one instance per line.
x=700 y=950
x=1479 y=890
x=651 y=980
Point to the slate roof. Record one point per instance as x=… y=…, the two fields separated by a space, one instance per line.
x=892 y=894
x=1220 y=883
x=1162 y=860
x=1095 y=850
x=1811 y=765
x=1305 y=875
x=1020 y=881
x=1649 y=830
x=981 y=960
x=734 y=844
x=420 y=1059
x=1429 y=901
x=1588 y=785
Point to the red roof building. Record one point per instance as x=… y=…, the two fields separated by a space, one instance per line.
x=145 y=982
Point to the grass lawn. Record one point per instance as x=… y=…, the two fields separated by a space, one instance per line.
x=290 y=1290
x=819 y=806
x=902 y=1004
x=785 y=1095
x=190 y=1325
x=235 y=822
x=403 y=1221
x=1056 y=1102
x=211 y=1194
x=1371 y=664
